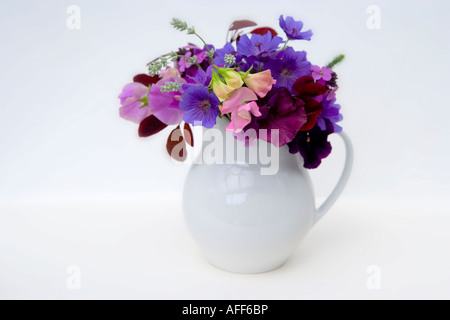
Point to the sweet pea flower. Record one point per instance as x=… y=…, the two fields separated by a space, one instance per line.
x=166 y=105
x=321 y=73
x=260 y=83
x=169 y=73
x=282 y=112
x=221 y=89
x=134 y=102
x=241 y=105
x=242 y=116
x=231 y=77
x=231 y=80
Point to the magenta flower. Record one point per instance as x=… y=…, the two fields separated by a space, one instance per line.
x=279 y=111
x=183 y=64
x=134 y=102
x=321 y=73
x=166 y=105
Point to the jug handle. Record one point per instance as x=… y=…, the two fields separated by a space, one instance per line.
x=342 y=180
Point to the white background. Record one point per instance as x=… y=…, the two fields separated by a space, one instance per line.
x=77 y=187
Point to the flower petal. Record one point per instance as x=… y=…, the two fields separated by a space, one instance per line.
x=150 y=126
x=313 y=109
x=262 y=31
x=188 y=135
x=306 y=87
x=176 y=145
x=237 y=98
x=145 y=79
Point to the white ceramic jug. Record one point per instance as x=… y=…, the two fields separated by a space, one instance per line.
x=246 y=222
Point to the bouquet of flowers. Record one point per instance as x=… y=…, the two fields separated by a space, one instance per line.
x=255 y=80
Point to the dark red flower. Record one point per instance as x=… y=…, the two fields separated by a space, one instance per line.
x=306 y=88
x=262 y=31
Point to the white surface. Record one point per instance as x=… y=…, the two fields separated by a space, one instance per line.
x=77 y=187
x=144 y=251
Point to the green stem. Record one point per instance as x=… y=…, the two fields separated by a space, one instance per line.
x=336 y=61
x=285 y=44
x=207 y=47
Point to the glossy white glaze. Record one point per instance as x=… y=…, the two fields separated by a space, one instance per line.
x=246 y=222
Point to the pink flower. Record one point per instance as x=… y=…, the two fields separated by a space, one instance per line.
x=237 y=98
x=260 y=82
x=321 y=73
x=169 y=73
x=166 y=105
x=242 y=116
x=241 y=105
x=134 y=102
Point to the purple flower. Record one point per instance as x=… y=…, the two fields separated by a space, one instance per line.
x=288 y=68
x=281 y=111
x=330 y=112
x=201 y=78
x=200 y=106
x=313 y=145
x=200 y=55
x=134 y=108
x=293 y=29
x=220 y=54
x=183 y=65
x=258 y=44
x=165 y=105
